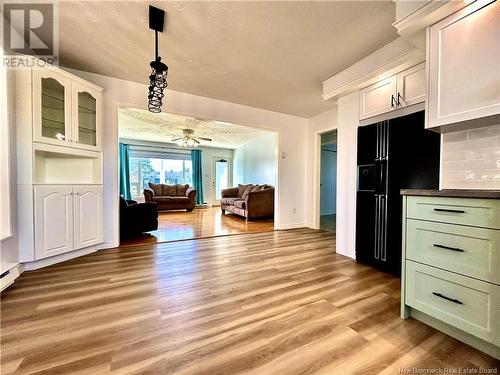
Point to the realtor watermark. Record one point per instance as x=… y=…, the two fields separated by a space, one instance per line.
x=449 y=370
x=30 y=34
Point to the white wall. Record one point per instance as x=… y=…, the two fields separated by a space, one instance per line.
x=255 y=162
x=9 y=255
x=291 y=129
x=345 y=120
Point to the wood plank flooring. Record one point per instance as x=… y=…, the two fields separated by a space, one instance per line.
x=269 y=303
x=201 y=223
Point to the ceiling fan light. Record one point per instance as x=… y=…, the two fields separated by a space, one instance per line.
x=190 y=142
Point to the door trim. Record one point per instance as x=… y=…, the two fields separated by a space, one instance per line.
x=213 y=159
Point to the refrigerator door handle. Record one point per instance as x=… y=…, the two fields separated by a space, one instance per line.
x=376 y=242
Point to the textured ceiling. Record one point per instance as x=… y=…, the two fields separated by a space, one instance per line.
x=267 y=54
x=143 y=125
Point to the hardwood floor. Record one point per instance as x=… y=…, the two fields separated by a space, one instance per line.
x=201 y=223
x=268 y=303
x=328 y=222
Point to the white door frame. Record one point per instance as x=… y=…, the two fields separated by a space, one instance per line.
x=213 y=159
x=317 y=176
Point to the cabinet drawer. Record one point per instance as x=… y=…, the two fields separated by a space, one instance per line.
x=466 y=250
x=467 y=304
x=467 y=211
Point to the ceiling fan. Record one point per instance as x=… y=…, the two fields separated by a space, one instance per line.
x=188 y=139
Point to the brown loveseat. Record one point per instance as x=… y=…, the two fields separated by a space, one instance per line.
x=249 y=201
x=171 y=197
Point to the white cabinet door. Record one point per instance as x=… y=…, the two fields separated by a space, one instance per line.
x=464 y=65
x=51 y=107
x=88 y=216
x=378 y=98
x=53 y=220
x=411 y=86
x=86 y=116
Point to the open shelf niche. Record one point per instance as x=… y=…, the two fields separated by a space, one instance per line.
x=53 y=165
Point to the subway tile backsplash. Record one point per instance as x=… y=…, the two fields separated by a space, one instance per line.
x=471 y=159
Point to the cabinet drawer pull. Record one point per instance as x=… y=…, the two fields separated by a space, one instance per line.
x=448 y=248
x=447 y=210
x=448 y=298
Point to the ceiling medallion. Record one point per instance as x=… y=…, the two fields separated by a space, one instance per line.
x=188 y=139
x=158 y=76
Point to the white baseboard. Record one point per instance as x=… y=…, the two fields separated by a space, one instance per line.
x=28 y=266
x=291 y=226
x=107 y=245
x=11 y=276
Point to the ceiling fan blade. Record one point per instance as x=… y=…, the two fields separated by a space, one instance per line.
x=176 y=139
x=205 y=139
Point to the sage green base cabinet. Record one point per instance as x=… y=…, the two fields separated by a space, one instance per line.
x=451 y=267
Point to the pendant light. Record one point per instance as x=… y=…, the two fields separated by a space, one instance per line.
x=159 y=70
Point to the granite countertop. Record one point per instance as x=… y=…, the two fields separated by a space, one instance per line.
x=494 y=194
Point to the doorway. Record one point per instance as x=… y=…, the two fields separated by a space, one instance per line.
x=328 y=181
x=221 y=177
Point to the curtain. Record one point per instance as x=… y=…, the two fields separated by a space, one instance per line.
x=124 y=172
x=197 y=175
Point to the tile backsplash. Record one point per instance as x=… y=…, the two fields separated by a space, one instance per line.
x=471 y=159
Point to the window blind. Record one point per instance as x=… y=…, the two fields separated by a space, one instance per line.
x=153 y=152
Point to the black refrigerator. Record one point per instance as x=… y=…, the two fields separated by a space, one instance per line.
x=392 y=155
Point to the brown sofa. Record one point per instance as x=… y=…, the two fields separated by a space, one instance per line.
x=249 y=201
x=171 y=197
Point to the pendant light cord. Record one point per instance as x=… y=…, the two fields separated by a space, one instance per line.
x=156 y=45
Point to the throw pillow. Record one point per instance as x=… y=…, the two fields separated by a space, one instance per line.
x=181 y=190
x=255 y=188
x=170 y=190
x=241 y=190
x=157 y=188
x=247 y=191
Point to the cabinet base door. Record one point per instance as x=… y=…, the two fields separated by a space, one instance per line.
x=88 y=216
x=53 y=220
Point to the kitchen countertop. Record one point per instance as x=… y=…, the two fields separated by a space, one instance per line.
x=493 y=194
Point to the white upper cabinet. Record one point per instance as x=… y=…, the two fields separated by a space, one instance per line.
x=411 y=86
x=86 y=116
x=463 y=56
x=51 y=107
x=398 y=91
x=378 y=98
x=66 y=110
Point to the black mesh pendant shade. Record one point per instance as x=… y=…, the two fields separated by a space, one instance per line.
x=157 y=83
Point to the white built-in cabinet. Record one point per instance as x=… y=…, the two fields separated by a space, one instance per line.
x=463 y=57
x=59 y=165
x=66 y=112
x=88 y=216
x=398 y=91
x=67 y=218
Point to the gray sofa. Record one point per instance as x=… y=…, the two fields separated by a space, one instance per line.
x=249 y=201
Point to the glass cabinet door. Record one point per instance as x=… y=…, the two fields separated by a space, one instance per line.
x=53 y=109
x=87 y=119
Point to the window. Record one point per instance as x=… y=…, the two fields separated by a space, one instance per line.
x=156 y=170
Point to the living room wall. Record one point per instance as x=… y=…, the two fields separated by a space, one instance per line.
x=290 y=212
x=255 y=162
